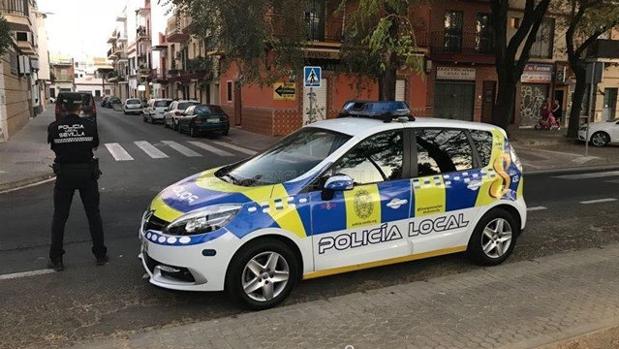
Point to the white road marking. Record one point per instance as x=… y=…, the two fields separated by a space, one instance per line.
x=536 y=208
x=598 y=201
x=150 y=150
x=28 y=185
x=26 y=274
x=237 y=148
x=210 y=148
x=118 y=152
x=181 y=149
x=590 y=175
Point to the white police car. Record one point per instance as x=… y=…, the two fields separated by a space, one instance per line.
x=338 y=195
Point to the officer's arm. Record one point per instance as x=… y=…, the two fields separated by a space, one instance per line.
x=95 y=139
x=50 y=136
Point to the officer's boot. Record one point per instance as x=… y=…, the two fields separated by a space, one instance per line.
x=56 y=264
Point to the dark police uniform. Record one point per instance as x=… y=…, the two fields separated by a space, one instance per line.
x=73 y=140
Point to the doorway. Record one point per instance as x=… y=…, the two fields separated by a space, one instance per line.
x=488 y=97
x=560 y=96
x=532 y=97
x=610 y=103
x=454 y=100
x=238 y=106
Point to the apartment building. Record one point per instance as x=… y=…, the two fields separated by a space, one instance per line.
x=606 y=52
x=62 y=72
x=87 y=76
x=18 y=67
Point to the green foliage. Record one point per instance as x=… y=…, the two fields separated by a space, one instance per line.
x=379 y=36
x=5 y=36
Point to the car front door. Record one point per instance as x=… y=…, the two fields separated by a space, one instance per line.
x=368 y=222
x=445 y=190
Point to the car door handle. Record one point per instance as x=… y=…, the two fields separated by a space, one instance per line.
x=397 y=203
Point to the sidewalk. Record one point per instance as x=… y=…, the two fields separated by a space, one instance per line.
x=26 y=157
x=518 y=305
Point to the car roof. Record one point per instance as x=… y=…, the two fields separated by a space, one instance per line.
x=363 y=126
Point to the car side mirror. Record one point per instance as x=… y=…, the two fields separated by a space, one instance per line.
x=339 y=183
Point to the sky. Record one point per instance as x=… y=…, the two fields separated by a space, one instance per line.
x=80 y=28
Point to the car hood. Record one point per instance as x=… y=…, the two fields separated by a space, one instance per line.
x=205 y=189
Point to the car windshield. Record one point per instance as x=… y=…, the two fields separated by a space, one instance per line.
x=162 y=104
x=290 y=158
x=133 y=101
x=185 y=105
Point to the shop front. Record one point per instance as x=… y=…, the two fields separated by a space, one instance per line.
x=535 y=87
x=454 y=93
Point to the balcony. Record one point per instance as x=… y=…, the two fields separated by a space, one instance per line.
x=142 y=33
x=461 y=47
x=25 y=43
x=17 y=14
x=603 y=48
x=174 y=30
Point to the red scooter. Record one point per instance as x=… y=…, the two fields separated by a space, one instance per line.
x=548 y=123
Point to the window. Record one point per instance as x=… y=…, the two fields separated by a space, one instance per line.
x=376 y=159
x=542 y=47
x=290 y=158
x=452 y=40
x=229 y=91
x=483 y=142
x=484 y=39
x=443 y=151
x=315 y=20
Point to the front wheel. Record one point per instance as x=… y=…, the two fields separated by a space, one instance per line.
x=262 y=274
x=600 y=139
x=494 y=238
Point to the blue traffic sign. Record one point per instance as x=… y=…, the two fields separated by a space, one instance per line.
x=312 y=76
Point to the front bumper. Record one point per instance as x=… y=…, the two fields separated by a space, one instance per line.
x=582 y=135
x=187 y=268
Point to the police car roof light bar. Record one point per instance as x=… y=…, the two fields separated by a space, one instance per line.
x=386 y=111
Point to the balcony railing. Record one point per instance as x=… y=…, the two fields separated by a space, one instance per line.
x=467 y=43
x=142 y=33
x=18 y=7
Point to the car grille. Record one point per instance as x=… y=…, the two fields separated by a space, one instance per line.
x=155 y=223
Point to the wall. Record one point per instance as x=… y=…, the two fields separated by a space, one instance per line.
x=15 y=100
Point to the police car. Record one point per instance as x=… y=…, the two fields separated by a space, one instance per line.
x=372 y=187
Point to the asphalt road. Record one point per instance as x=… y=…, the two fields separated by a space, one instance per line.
x=85 y=301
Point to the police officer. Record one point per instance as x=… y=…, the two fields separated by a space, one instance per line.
x=73 y=140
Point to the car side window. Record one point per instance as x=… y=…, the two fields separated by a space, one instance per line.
x=442 y=151
x=376 y=159
x=483 y=142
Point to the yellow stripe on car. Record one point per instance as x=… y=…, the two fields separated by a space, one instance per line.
x=163 y=211
x=430 y=195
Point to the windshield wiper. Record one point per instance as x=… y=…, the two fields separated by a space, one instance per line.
x=232 y=180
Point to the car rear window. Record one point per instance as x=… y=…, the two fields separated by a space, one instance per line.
x=215 y=109
x=160 y=104
x=483 y=143
x=133 y=101
x=185 y=105
x=443 y=151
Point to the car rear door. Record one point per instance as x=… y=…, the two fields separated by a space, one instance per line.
x=445 y=190
x=368 y=223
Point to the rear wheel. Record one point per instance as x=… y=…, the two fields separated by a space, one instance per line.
x=262 y=274
x=494 y=238
x=600 y=139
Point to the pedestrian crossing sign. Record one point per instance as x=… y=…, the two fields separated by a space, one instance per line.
x=312 y=76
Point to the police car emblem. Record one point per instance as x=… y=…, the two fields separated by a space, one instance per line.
x=363 y=204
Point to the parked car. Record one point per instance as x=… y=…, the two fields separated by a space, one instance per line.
x=132 y=106
x=155 y=109
x=89 y=109
x=175 y=111
x=200 y=119
x=364 y=190
x=104 y=101
x=601 y=133
x=112 y=101
x=52 y=100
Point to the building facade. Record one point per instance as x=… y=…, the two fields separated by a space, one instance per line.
x=19 y=91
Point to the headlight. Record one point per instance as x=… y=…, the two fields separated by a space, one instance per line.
x=203 y=220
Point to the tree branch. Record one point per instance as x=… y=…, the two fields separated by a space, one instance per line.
x=537 y=18
x=594 y=37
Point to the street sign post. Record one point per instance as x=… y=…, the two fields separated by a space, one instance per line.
x=312 y=75
x=594 y=76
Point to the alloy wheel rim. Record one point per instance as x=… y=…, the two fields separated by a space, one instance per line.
x=598 y=139
x=496 y=238
x=265 y=276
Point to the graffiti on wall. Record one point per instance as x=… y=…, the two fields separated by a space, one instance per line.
x=532 y=99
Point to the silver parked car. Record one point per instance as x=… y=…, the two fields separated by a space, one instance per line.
x=176 y=111
x=132 y=106
x=155 y=110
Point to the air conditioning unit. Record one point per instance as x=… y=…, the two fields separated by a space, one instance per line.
x=24 y=65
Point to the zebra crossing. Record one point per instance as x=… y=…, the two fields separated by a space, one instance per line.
x=166 y=149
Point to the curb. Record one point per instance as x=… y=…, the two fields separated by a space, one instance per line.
x=596 y=338
x=598 y=168
x=28 y=182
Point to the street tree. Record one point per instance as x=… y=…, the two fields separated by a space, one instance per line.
x=379 y=40
x=5 y=36
x=586 y=21
x=512 y=55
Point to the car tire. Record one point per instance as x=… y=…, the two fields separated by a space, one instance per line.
x=494 y=238
x=241 y=274
x=600 y=139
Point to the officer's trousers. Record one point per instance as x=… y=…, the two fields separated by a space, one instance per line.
x=88 y=188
